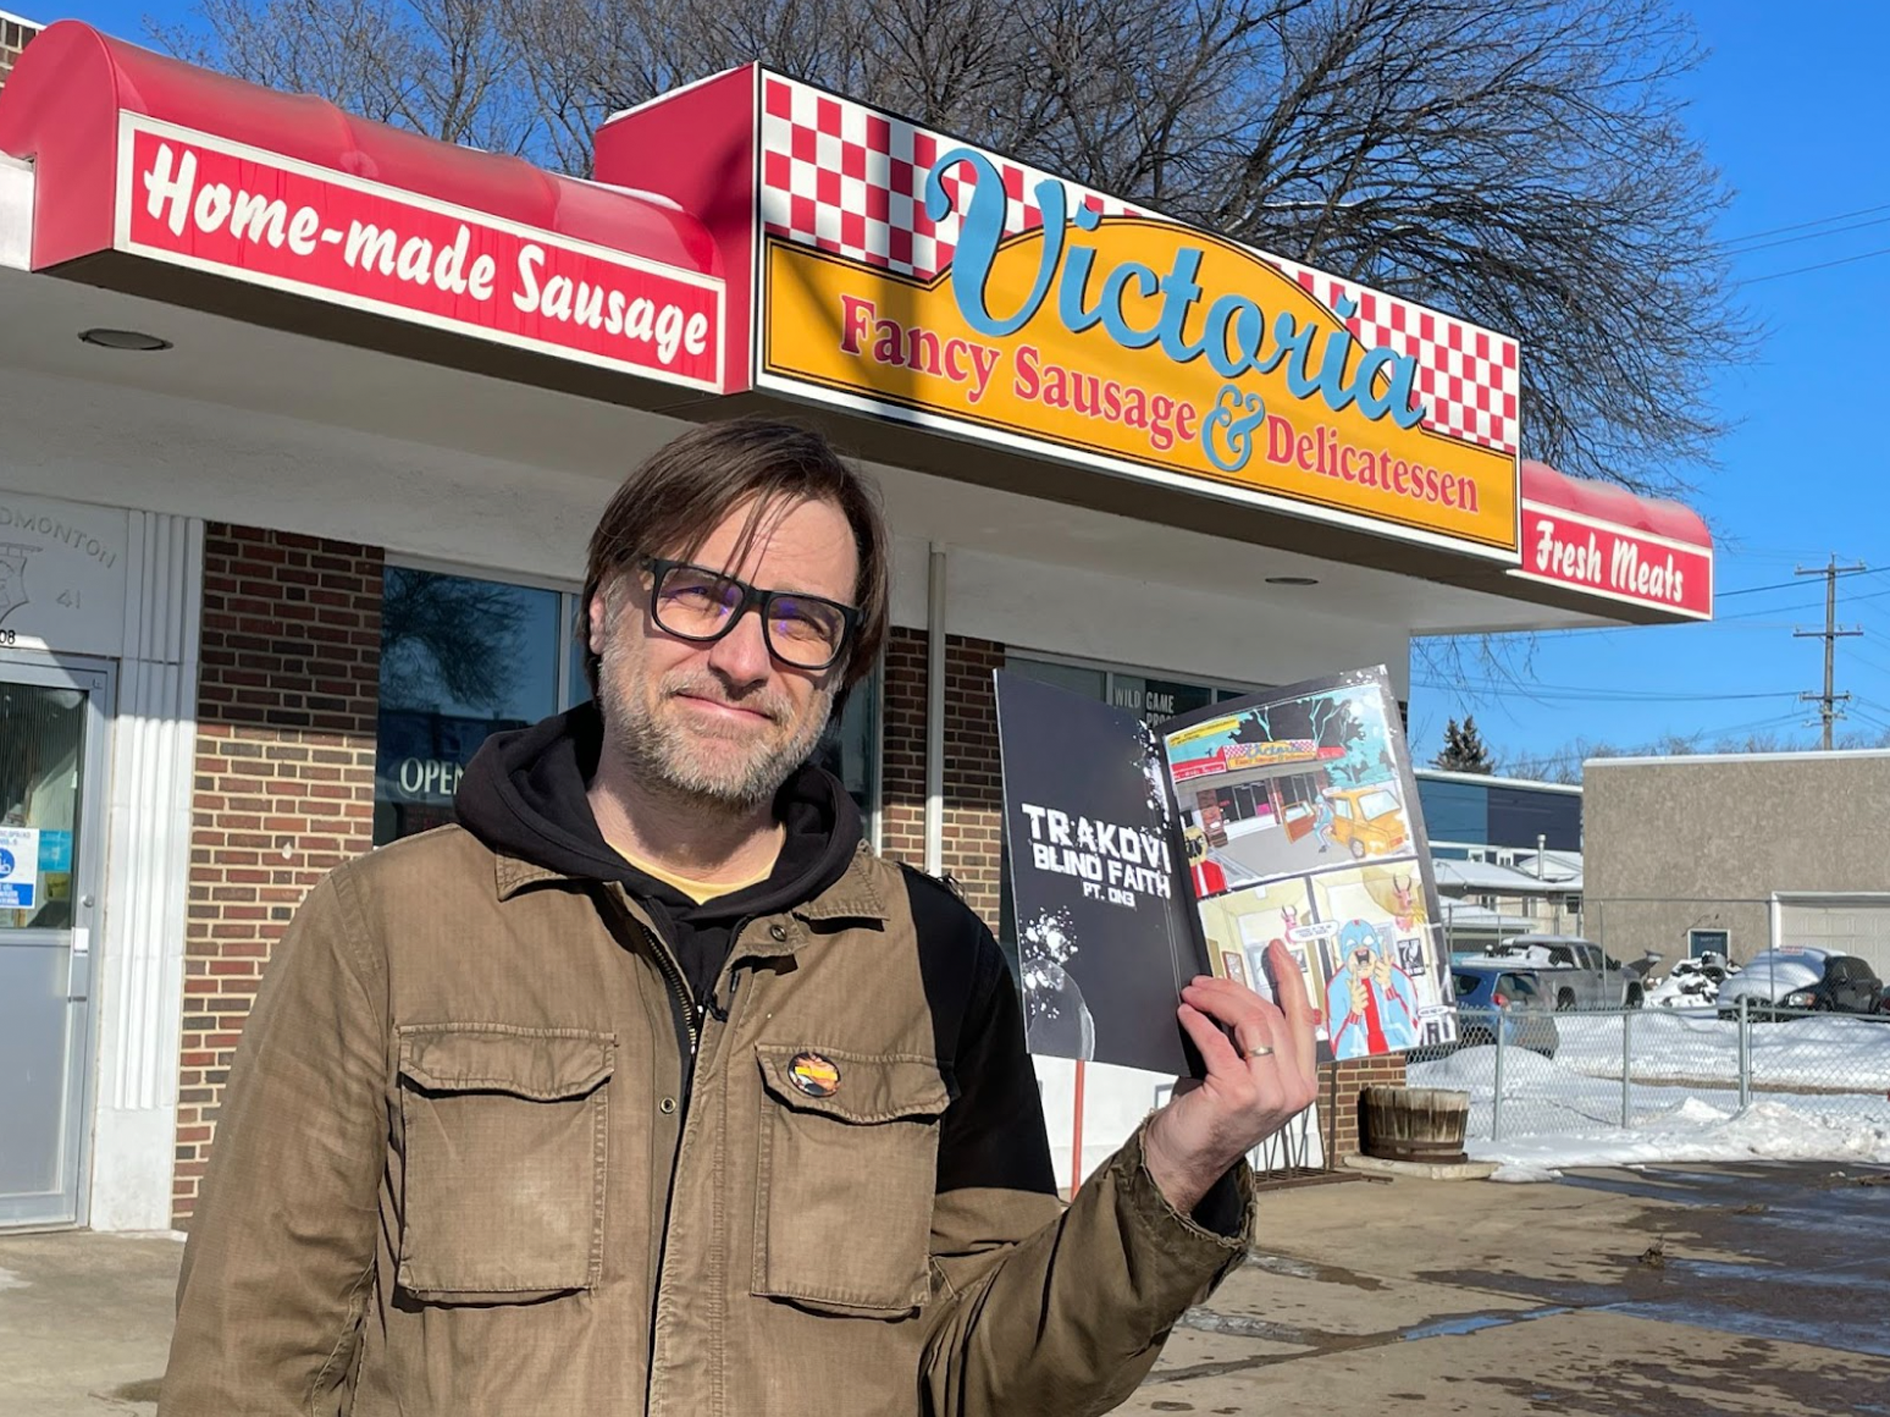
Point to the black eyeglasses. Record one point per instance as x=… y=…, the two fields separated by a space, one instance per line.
x=696 y=603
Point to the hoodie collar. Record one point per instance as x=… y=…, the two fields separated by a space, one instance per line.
x=855 y=896
x=524 y=796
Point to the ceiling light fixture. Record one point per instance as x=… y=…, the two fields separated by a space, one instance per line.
x=136 y=340
x=1292 y=580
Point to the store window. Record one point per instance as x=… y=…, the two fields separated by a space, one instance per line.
x=464 y=657
x=461 y=659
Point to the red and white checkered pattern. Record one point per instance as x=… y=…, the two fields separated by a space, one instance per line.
x=842 y=177
x=846 y=178
x=1467 y=378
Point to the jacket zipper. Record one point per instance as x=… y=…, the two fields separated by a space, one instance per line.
x=687 y=1014
x=692 y=1013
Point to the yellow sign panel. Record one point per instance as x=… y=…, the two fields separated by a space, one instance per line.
x=1141 y=342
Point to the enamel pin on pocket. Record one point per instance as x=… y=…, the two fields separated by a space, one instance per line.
x=814 y=1075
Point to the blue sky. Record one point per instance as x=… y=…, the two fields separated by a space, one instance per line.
x=1784 y=105
x=1796 y=133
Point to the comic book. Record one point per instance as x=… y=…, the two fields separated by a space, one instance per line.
x=1141 y=856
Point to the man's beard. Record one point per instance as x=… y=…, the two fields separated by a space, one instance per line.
x=736 y=770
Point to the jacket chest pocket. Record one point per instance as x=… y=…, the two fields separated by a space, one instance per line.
x=847 y=1170
x=503 y=1190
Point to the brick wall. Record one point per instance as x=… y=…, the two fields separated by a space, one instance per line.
x=1354 y=1076
x=974 y=803
x=13 y=40
x=284 y=785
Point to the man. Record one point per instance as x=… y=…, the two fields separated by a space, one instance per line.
x=647 y=1089
x=1372 y=1003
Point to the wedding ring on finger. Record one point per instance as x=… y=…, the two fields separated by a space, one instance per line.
x=1260 y=1050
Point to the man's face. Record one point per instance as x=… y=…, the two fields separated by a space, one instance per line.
x=722 y=723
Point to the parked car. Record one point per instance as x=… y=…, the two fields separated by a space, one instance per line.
x=1496 y=1000
x=1368 y=821
x=1578 y=973
x=1802 y=977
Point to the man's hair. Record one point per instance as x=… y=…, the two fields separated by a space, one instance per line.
x=690 y=485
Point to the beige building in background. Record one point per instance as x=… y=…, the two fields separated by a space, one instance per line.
x=1738 y=853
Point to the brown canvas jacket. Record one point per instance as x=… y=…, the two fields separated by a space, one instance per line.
x=464 y=1168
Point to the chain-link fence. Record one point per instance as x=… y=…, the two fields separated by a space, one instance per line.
x=1591 y=1072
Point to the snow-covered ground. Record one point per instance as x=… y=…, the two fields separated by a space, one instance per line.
x=1692 y=1132
x=1681 y=1100
x=1822 y=1051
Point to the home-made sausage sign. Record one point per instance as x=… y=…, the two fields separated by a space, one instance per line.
x=215 y=205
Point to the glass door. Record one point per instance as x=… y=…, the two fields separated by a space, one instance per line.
x=53 y=718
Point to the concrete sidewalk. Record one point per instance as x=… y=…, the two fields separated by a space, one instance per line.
x=1687 y=1292
x=85 y=1322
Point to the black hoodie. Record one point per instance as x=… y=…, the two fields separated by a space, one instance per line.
x=524 y=794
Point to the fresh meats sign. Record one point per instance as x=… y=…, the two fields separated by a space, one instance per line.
x=1565 y=548
x=217 y=206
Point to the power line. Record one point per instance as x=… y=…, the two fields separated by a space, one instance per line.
x=1754 y=589
x=1820 y=266
x=1772 y=610
x=1803 y=225
x=1533 y=765
x=1589 y=694
x=1810 y=236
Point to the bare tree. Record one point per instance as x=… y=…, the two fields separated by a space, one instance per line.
x=1521 y=163
x=440 y=67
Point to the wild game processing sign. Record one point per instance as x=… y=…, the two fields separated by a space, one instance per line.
x=914 y=275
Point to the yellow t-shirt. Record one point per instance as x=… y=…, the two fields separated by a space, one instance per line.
x=698 y=891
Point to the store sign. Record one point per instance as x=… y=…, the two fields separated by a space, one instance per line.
x=1157 y=700
x=936 y=282
x=1567 y=548
x=19 y=868
x=219 y=206
x=425 y=779
x=1242 y=757
x=62 y=575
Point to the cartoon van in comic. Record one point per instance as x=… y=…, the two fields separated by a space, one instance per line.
x=1367 y=821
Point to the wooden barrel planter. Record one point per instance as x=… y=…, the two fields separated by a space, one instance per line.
x=1415 y=1124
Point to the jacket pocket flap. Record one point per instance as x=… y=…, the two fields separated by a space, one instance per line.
x=541 y=1064
x=860 y=1088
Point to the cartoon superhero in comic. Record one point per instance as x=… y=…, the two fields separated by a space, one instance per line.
x=1371 y=1002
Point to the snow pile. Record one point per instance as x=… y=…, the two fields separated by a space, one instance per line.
x=1692 y=982
x=1473 y=1070
x=1694 y=1132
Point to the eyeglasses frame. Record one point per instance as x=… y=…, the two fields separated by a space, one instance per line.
x=753 y=598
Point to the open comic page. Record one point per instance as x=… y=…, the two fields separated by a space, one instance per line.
x=1299 y=821
x=1104 y=930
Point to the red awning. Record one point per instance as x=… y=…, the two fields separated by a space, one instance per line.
x=61 y=108
x=1604 y=541
x=1603 y=502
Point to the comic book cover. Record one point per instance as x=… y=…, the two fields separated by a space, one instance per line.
x=1298 y=815
x=1141 y=857
x=1105 y=930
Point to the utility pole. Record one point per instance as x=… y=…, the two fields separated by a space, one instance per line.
x=1830 y=634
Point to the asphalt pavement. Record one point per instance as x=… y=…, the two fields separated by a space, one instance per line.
x=1659 y=1292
